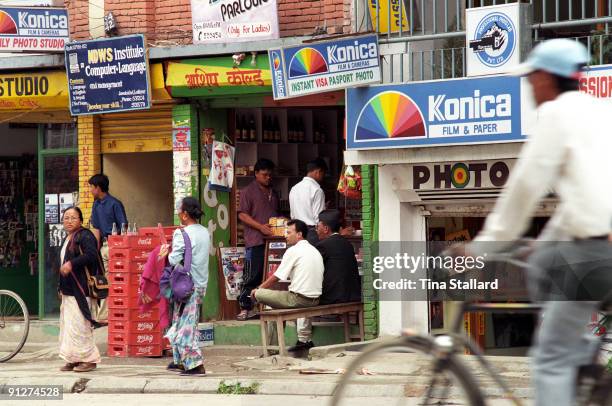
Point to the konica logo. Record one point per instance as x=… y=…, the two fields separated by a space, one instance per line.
x=473 y=107
x=352 y=52
x=42 y=20
x=494 y=39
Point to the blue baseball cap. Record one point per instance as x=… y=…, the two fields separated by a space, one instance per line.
x=561 y=57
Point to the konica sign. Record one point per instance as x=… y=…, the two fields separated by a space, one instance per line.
x=446 y=112
x=325 y=66
x=33 y=29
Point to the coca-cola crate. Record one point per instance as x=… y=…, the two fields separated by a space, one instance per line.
x=166 y=344
x=133 y=241
x=126 y=254
x=133 y=315
x=125 y=290
x=129 y=338
x=123 y=278
x=122 y=302
x=130 y=326
x=124 y=351
x=154 y=231
x=120 y=265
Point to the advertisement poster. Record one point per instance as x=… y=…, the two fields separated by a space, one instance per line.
x=108 y=75
x=181 y=139
x=381 y=11
x=232 y=263
x=597 y=81
x=66 y=200
x=325 y=66
x=51 y=209
x=233 y=20
x=56 y=235
x=445 y=112
x=33 y=29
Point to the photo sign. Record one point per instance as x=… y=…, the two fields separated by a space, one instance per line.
x=108 y=75
x=233 y=20
x=324 y=66
x=443 y=112
x=33 y=29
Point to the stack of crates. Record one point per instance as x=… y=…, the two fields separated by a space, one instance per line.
x=130 y=332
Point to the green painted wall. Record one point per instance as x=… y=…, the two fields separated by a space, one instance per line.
x=369 y=178
x=240 y=333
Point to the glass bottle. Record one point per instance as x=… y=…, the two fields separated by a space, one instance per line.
x=238 y=131
x=252 y=129
x=276 y=130
x=301 y=132
x=244 y=129
x=114 y=230
x=291 y=130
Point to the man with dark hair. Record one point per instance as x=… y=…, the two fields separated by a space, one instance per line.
x=258 y=203
x=341 y=281
x=307 y=199
x=302 y=264
x=107 y=211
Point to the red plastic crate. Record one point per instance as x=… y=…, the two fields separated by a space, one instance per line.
x=133 y=315
x=128 y=338
x=124 y=290
x=126 y=254
x=124 y=351
x=154 y=231
x=122 y=302
x=120 y=265
x=123 y=278
x=166 y=344
x=133 y=326
x=133 y=241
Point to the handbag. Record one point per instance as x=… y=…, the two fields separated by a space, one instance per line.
x=98 y=283
x=176 y=283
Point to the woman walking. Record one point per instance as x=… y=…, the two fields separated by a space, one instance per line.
x=182 y=334
x=79 y=251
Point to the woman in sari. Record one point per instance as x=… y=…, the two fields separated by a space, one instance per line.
x=79 y=251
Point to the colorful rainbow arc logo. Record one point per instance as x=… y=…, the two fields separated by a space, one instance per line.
x=276 y=62
x=390 y=114
x=307 y=61
x=7 y=24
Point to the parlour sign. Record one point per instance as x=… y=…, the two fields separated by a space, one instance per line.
x=33 y=29
x=233 y=20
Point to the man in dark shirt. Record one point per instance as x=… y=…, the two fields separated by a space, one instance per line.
x=106 y=212
x=341 y=280
x=258 y=203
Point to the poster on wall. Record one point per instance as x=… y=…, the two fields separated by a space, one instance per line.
x=444 y=112
x=33 y=29
x=66 y=200
x=108 y=75
x=233 y=20
x=56 y=235
x=387 y=14
x=51 y=208
x=232 y=265
x=181 y=139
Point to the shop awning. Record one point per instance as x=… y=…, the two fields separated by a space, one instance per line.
x=219 y=77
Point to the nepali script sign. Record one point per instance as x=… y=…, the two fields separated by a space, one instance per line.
x=108 y=75
x=324 y=66
x=33 y=29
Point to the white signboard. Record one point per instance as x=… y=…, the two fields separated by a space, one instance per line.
x=597 y=81
x=233 y=20
x=493 y=39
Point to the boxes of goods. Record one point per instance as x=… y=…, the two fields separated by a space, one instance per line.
x=278 y=226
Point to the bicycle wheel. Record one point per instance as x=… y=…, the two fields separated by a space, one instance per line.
x=14 y=324
x=405 y=369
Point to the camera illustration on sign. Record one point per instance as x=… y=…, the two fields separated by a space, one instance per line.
x=307 y=61
x=390 y=115
x=494 y=40
x=7 y=24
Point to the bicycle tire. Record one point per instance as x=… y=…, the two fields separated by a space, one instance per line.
x=421 y=344
x=26 y=323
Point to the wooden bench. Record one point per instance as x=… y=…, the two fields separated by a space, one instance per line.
x=280 y=316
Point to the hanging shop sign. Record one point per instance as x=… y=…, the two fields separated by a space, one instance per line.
x=33 y=29
x=445 y=112
x=387 y=14
x=498 y=38
x=33 y=91
x=108 y=75
x=233 y=20
x=597 y=81
x=325 y=66
x=218 y=76
x=461 y=175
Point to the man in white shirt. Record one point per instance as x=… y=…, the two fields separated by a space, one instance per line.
x=570 y=151
x=307 y=199
x=302 y=265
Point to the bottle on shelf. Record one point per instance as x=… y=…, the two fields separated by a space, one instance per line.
x=301 y=134
x=244 y=129
x=316 y=135
x=291 y=130
x=252 y=129
x=276 y=130
x=238 y=130
x=322 y=134
x=266 y=129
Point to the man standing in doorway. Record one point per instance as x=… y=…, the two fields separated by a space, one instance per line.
x=107 y=211
x=258 y=203
x=307 y=199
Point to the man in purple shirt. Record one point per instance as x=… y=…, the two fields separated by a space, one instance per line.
x=258 y=202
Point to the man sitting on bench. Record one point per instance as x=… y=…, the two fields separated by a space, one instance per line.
x=302 y=265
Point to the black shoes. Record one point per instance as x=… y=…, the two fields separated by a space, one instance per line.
x=300 y=346
x=197 y=371
x=174 y=367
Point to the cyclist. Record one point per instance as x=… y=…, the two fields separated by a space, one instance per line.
x=569 y=150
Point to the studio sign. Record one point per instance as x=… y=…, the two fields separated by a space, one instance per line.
x=460 y=175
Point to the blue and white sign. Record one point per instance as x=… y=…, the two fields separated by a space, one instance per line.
x=325 y=66
x=108 y=75
x=33 y=29
x=493 y=38
x=445 y=112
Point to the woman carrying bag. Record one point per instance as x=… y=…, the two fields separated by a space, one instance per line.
x=79 y=255
x=194 y=249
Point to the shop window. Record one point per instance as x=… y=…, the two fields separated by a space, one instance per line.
x=58 y=136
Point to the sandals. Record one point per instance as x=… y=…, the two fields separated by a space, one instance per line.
x=69 y=366
x=243 y=315
x=85 y=367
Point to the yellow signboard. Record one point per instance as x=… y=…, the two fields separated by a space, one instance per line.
x=34 y=91
x=380 y=14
